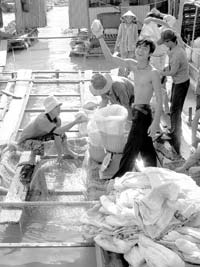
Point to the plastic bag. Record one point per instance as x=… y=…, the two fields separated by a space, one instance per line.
x=151 y=31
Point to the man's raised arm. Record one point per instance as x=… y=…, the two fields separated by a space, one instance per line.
x=97 y=30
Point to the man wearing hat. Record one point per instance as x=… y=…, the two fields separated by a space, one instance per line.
x=46 y=127
x=113 y=89
x=127 y=37
x=178 y=69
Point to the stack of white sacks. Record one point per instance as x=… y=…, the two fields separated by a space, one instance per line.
x=152 y=217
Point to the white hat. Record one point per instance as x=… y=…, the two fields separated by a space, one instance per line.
x=129 y=13
x=50 y=103
x=100 y=84
x=171 y=20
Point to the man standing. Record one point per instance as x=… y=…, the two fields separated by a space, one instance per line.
x=113 y=89
x=147 y=82
x=178 y=69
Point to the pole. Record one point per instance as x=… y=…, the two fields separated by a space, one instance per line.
x=15 y=205
x=47 y=245
x=88 y=18
x=194 y=25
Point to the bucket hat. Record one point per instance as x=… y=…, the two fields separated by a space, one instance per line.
x=100 y=84
x=50 y=103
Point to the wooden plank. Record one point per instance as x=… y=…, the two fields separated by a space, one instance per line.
x=4 y=101
x=17 y=192
x=12 y=119
x=36 y=17
x=3 y=54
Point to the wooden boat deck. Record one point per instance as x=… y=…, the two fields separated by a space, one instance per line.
x=23 y=83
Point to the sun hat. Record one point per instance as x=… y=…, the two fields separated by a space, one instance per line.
x=129 y=13
x=100 y=84
x=167 y=35
x=50 y=103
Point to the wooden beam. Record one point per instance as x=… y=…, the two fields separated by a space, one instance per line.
x=4 y=101
x=12 y=119
x=3 y=54
x=16 y=192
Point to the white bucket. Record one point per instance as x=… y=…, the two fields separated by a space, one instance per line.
x=111 y=119
x=96 y=153
x=112 y=123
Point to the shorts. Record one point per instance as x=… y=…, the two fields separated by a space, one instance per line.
x=37 y=144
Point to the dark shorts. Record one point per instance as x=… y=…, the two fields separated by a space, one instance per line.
x=37 y=144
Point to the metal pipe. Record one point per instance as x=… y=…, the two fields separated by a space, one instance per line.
x=194 y=25
x=56 y=94
x=46 y=81
x=47 y=245
x=42 y=110
x=22 y=204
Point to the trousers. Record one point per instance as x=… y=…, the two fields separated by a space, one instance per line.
x=138 y=141
x=178 y=95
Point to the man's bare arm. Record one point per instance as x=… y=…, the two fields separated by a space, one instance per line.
x=195 y=123
x=155 y=20
x=126 y=63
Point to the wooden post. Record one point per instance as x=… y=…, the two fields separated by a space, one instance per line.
x=1 y=17
x=88 y=18
x=33 y=18
x=194 y=25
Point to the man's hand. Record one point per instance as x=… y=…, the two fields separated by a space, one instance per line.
x=153 y=129
x=81 y=117
x=97 y=28
x=195 y=142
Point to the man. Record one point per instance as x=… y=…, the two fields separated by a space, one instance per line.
x=47 y=126
x=178 y=69
x=147 y=82
x=114 y=90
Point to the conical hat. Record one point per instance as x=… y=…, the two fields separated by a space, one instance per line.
x=129 y=13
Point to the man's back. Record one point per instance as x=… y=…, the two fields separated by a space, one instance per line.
x=179 y=62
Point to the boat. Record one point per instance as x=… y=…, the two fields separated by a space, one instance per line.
x=23 y=87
